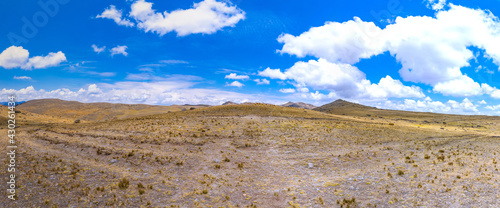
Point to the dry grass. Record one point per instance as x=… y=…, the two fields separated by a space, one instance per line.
x=258 y=156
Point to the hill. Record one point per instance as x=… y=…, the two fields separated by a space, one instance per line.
x=420 y=119
x=342 y=107
x=230 y=103
x=74 y=110
x=299 y=105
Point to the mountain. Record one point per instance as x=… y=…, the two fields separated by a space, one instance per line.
x=299 y=105
x=342 y=107
x=95 y=111
x=230 y=103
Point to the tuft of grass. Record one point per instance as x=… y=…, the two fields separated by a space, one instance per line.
x=124 y=183
x=401 y=172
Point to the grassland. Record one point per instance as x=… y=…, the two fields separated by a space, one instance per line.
x=260 y=155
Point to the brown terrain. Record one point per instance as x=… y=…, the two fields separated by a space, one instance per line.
x=254 y=155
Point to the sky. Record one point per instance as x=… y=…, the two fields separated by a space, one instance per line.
x=420 y=55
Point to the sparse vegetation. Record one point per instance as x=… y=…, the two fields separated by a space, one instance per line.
x=258 y=155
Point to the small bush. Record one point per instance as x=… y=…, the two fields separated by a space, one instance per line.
x=124 y=183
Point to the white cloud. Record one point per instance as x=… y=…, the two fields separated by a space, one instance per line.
x=495 y=94
x=482 y=102
x=463 y=86
x=272 y=73
x=18 y=57
x=22 y=77
x=344 y=80
x=262 y=81
x=450 y=107
x=493 y=107
x=435 y=4
x=119 y=50
x=97 y=49
x=346 y=42
x=303 y=89
x=116 y=15
x=388 y=87
x=14 y=57
x=235 y=84
x=287 y=90
x=206 y=17
x=431 y=50
x=235 y=76
x=41 y=62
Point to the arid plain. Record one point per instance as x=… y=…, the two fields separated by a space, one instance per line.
x=251 y=155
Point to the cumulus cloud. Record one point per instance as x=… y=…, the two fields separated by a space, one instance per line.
x=389 y=87
x=22 y=77
x=97 y=49
x=235 y=76
x=463 y=86
x=346 y=42
x=431 y=50
x=344 y=79
x=41 y=62
x=119 y=50
x=14 y=57
x=205 y=17
x=116 y=15
x=261 y=81
x=272 y=73
x=235 y=84
x=18 y=57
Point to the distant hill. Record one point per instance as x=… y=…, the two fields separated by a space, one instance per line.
x=299 y=105
x=95 y=111
x=230 y=103
x=342 y=107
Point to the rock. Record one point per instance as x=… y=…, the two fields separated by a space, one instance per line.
x=113 y=161
x=217 y=160
x=310 y=165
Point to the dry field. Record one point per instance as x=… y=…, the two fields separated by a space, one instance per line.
x=259 y=156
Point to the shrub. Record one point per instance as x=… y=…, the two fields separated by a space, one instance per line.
x=400 y=172
x=124 y=183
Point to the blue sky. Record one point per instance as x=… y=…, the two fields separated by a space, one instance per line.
x=431 y=55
